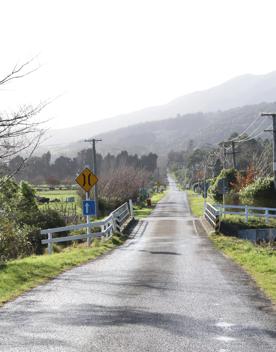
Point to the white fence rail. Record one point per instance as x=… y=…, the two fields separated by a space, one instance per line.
x=212 y=215
x=246 y=211
x=111 y=224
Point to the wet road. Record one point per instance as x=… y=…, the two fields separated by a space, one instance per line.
x=165 y=289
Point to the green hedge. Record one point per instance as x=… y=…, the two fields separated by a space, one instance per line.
x=230 y=176
x=21 y=220
x=262 y=187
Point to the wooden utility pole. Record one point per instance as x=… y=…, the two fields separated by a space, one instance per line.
x=234 y=154
x=273 y=115
x=224 y=155
x=94 y=167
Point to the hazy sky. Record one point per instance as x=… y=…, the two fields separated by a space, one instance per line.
x=108 y=57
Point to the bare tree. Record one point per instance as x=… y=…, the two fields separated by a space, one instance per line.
x=123 y=183
x=20 y=132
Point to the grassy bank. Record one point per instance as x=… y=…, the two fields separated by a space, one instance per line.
x=21 y=275
x=259 y=262
x=143 y=211
x=196 y=202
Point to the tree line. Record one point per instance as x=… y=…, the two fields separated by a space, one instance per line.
x=249 y=182
x=43 y=169
x=252 y=155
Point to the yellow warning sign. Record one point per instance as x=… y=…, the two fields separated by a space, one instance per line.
x=87 y=179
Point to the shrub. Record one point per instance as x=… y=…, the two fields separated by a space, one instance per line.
x=22 y=220
x=14 y=241
x=230 y=176
x=45 y=219
x=260 y=192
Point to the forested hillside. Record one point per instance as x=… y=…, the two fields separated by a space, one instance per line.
x=174 y=134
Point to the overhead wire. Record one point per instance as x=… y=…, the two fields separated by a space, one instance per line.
x=252 y=134
x=251 y=124
x=255 y=135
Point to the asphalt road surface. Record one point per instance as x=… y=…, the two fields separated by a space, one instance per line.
x=165 y=289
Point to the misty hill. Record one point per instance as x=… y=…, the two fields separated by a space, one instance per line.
x=243 y=90
x=173 y=134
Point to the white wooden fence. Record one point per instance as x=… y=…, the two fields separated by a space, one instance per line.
x=246 y=211
x=111 y=224
x=212 y=215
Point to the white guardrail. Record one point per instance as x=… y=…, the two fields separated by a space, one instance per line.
x=246 y=211
x=212 y=213
x=108 y=226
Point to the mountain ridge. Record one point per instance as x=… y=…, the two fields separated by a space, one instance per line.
x=239 y=91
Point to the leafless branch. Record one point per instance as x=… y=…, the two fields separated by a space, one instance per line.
x=21 y=131
x=18 y=72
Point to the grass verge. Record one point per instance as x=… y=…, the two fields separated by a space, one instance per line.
x=196 y=202
x=21 y=275
x=142 y=211
x=258 y=261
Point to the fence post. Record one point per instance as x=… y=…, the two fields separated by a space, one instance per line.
x=50 y=244
x=266 y=216
x=131 y=208
x=217 y=221
x=246 y=213
x=113 y=224
x=102 y=230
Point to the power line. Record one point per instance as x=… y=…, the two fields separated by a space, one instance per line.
x=254 y=137
x=251 y=124
x=252 y=134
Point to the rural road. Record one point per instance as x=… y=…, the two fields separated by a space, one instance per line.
x=165 y=289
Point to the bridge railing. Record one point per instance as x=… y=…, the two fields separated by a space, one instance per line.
x=246 y=211
x=212 y=215
x=105 y=228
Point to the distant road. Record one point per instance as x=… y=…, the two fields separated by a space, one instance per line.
x=166 y=289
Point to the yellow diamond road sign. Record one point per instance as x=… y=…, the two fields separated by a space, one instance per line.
x=86 y=179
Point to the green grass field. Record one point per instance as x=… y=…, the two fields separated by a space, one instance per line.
x=62 y=195
x=21 y=275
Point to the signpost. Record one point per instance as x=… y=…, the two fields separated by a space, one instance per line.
x=86 y=179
